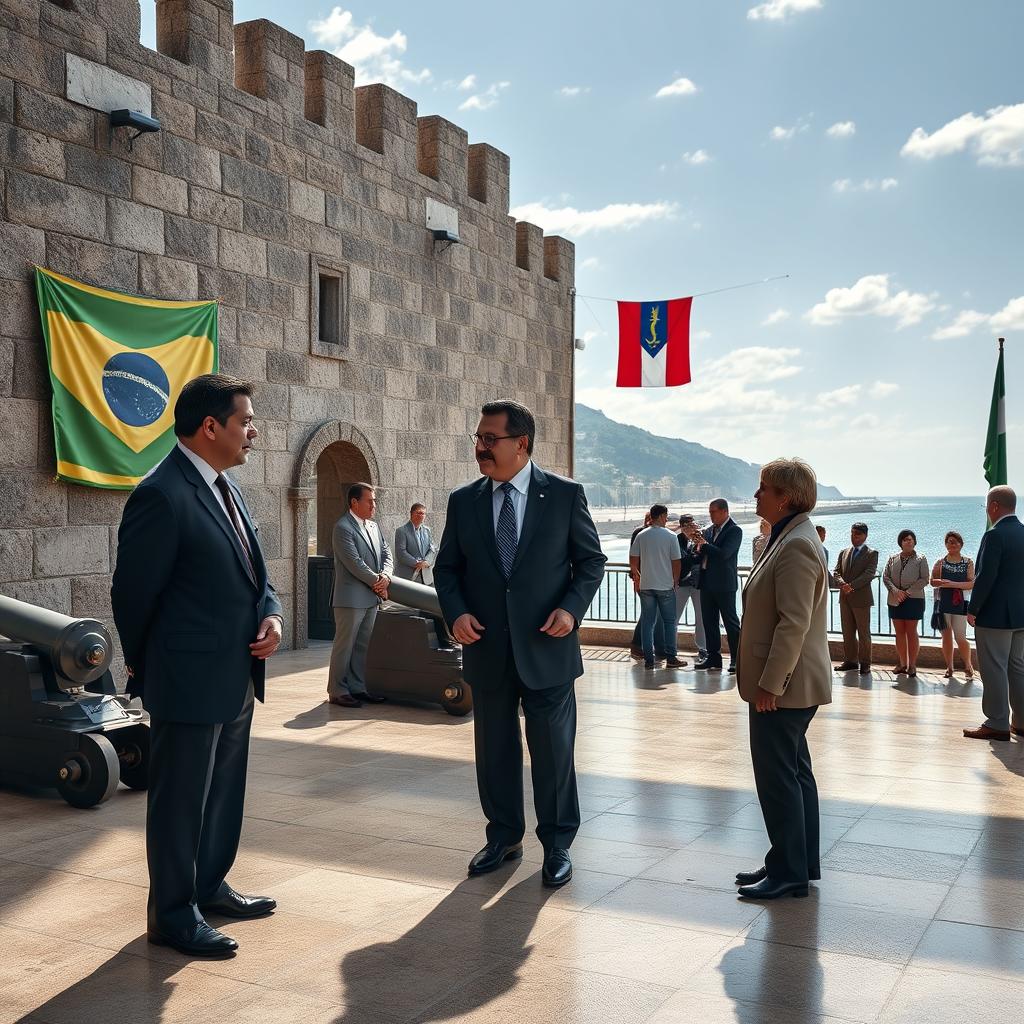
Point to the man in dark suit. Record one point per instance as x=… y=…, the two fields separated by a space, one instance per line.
x=997 y=613
x=198 y=618
x=719 y=547
x=519 y=564
x=854 y=574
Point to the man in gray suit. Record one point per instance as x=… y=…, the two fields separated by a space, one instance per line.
x=414 y=549
x=363 y=567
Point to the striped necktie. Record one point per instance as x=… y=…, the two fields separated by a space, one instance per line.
x=229 y=503
x=505 y=534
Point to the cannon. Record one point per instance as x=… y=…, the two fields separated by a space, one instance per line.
x=412 y=654
x=61 y=721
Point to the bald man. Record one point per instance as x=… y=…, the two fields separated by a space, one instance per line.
x=997 y=613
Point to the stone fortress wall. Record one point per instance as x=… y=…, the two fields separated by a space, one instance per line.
x=302 y=203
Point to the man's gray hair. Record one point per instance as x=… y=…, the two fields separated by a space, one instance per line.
x=721 y=504
x=1005 y=497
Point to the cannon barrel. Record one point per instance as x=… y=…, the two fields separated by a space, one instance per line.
x=80 y=650
x=414 y=595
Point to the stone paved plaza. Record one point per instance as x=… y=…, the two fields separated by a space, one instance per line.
x=361 y=824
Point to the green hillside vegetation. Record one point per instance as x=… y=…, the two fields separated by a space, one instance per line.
x=614 y=453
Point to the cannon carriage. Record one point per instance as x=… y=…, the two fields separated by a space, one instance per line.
x=62 y=723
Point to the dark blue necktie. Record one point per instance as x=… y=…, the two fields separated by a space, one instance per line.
x=505 y=534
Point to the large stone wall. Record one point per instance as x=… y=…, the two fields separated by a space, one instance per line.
x=269 y=159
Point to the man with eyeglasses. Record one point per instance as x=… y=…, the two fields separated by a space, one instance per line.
x=519 y=563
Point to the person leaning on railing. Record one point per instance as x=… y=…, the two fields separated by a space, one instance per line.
x=953 y=579
x=905 y=578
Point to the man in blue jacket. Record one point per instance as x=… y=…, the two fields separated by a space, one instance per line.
x=719 y=547
x=997 y=613
x=519 y=564
x=197 y=617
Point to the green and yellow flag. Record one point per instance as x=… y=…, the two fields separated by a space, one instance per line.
x=118 y=363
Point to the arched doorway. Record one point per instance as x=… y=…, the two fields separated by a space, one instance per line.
x=335 y=456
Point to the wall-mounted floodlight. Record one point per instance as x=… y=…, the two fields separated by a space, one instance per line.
x=446 y=236
x=580 y=344
x=142 y=123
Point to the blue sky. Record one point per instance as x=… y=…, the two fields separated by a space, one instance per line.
x=873 y=151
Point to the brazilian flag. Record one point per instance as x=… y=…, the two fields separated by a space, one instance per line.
x=118 y=363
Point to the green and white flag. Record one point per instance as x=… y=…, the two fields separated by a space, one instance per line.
x=995 y=443
x=117 y=364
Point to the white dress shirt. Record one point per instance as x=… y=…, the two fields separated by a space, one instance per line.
x=368 y=536
x=209 y=475
x=519 y=493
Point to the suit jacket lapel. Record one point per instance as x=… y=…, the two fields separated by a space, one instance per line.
x=485 y=519
x=210 y=503
x=770 y=552
x=536 y=503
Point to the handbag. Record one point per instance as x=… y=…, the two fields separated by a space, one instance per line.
x=938 y=618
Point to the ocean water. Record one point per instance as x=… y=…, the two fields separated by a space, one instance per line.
x=929 y=518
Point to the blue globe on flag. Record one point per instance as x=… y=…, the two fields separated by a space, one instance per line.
x=136 y=388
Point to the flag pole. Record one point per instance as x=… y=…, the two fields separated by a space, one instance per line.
x=572 y=382
x=994 y=462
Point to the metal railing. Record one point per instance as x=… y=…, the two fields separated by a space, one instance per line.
x=617 y=602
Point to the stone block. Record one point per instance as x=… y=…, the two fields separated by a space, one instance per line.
x=265 y=296
x=386 y=124
x=249 y=364
x=176 y=116
x=30 y=377
x=307 y=201
x=288 y=367
x=99 y=172
x=52 y=594
x=264 y=221
x=19 y=427
x=100 y=88
x=15 y=555
x=6 y=367
x=330 y=92
x=71 y=551
x=286 y=264
x=342 y=214
x=63 y=120
x=442 y=153
x=31 y=151
x=90 y=597
x=270 y=63
x=6 y=99
x=225 y=211
x=198 y=165
x=74 y=31
x=313 y=404
x=165 y=278
x=18 y=317
x=260 y=330
x=489 y=177
x=20 y=246
x=198 y=33
x=222 y=284
x=135 y=226
x=31 y=499
x=254 y=183
x=529 y=246
x=220 y=134
x=95 y=506
x=161 y=190
x=190 y=240
x=44 y=203
x=92 y=262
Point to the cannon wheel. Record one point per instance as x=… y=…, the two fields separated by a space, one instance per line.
x=93 y=772
x=132 y=749
x=461 y=706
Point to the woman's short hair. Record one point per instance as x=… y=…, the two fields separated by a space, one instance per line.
x=956 y=536
x=904 y=534
x=795 y=479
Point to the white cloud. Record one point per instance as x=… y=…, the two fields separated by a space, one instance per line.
x=486 y=99
x=780 y=134
x=574 y=90
x=590 y=263
x=703 y=335
x=778 y=10
x=996 y=138
x=697 y=157
x=568 y=220
x=883 y=388
x=375 y=58
x=841 y=396
x=842 y=129
x=1009 y=318
x=680 y=87
x=775 y=318
x=469 y=82
x=870 y=296
x=867 y=185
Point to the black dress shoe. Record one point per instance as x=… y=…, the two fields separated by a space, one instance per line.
x=770 y=889
x=199 y=940
x=493 y=855
x=732 y=668
x=865 y=670
x=346 y=700
x=847 y=666
x=750 y=877
x=557 y=868
x=707 y=664
x=648 y=665
x=234 y=904
x=372 y=698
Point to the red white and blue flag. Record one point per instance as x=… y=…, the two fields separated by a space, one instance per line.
x=654 y=344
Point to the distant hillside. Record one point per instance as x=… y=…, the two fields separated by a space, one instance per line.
x=615 y=454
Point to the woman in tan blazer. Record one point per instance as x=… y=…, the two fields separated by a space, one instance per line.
x=785 y=674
